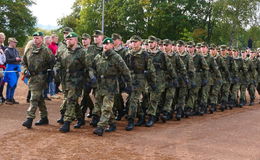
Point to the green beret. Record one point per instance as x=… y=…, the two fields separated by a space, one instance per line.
x=152 y=39
x=135 y=38
x=108 y=40
x=97 y=33
x=67 y=30
x=167 y=41
x=37 y=34
x=71 y=35
x=180 y=43
x=116 y=36
x=85 y=36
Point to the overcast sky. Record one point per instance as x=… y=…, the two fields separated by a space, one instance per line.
x=48 y=11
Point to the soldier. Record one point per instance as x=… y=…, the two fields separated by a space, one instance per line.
x=258 y=71
x=62 y=47
x=170 y=93
x=119 y=102
x=93 y=50
x=201 y=79
x=215 y=78
x=226 y=77
x=73 y=62
x=252 y=64
x=36 y=61
x=164 y=70
x=86 y=40
x=86 y=101
x=143 y=73
x=184 y=92
x=108 y=67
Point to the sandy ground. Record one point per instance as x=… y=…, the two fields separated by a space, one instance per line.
x=229 y=135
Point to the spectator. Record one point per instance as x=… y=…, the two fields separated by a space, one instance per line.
x=2 y=65
x=13 y=68
x=54 y=44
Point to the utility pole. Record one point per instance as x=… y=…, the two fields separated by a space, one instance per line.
x=103 y=15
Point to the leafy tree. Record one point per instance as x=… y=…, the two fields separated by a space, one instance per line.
x=16 y=19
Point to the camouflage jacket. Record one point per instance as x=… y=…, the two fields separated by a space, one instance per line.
x=223 y=67
x=37 y=61
x=107 y=67
x=201 y=68
x=242 y=70
x=214 y=73
x=189 y=65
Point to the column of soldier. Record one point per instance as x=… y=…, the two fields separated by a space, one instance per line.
x=144 y=81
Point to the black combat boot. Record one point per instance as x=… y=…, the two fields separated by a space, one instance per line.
x=99 y=131
x=65 y=127
x=80 y=123
x=61 y=120
x=95 y=120
x=187 y=111
x=242 y=103
x=165 y=116
x=251 y=102
x=178 y=113
x=212 y=108
x=42 y=121
x=151 y=121
x=28 y=123
x=131 y=124
x=111 y=128
x=140 y=121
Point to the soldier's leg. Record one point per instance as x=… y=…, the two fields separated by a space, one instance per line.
x=204 y=97
x=213 y=97
x=119 y=106
x=36 y=96
x=42 y=108
x=234 y=94
x=168 y=102
x=86 y=103
x=192 y=99
x=153 y=106
x=106 y=111
x=97 y=109
x=251 y=91
x=225 y=90
x=243 y=88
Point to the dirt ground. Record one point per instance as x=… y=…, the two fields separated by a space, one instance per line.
x=229 y=135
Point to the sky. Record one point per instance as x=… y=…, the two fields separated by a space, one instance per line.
x=48 y=11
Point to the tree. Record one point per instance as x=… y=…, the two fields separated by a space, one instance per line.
x=16 y=19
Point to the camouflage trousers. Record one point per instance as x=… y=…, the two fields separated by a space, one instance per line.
x=180 y=97
x=258 y=88
x=63 y=105
x=168 y=97
x=224 y=93
x=213 y=94
x=104 y=108
x=72 y=107
x=203 y=98
x=251 y=91
x=37 y=100
x=234 y=88
x=135 y=101
x=243 y=88
x=192 y=97
x=118 y=103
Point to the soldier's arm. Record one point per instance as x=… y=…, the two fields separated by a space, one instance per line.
x=181 y=67
x=205 y=68
x=216 y=69
x=170 y=70
x=123 y=69
x=151 y=70
x=191 y=69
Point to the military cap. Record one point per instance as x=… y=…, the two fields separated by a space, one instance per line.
x=145 y=41
x=135 y=38
x=116 y=36
x=152 y=39
x=190 y=44
x=212 y=46
x=38 y=34
x=167 y=41
x=72 y=35
x=218 y=48
x=12 y=39
x=173 y=43
x=204 y=44
x=97 y=33
x=108 y=40
x=180 y=43
x=67 y=30
x=198 y=45
x=85 y=36
x=223 y=47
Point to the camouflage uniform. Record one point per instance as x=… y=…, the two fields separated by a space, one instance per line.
x=108 y=67
x=72 y=63
x=37 y=61
x=243 y=80
x=201 y=80
x=252 y=73
x=215 y=79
